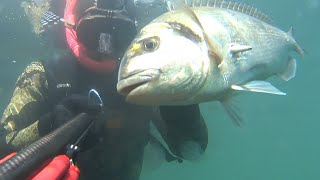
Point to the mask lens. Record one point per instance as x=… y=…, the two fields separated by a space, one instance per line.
x=106 y=35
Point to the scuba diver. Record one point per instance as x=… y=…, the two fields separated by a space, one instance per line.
x=49 y=93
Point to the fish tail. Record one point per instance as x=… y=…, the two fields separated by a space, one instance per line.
x=297 y=48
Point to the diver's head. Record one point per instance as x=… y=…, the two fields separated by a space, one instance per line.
x=103 y=29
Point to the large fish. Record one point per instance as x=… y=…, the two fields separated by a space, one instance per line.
x=203 y=52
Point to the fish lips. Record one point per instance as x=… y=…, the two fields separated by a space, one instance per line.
x=131 y=83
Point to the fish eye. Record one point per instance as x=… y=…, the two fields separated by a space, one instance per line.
x=151 y=44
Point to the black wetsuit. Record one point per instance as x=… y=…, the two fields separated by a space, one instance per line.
x=121 y=133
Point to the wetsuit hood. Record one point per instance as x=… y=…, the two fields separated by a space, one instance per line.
x=100 y=36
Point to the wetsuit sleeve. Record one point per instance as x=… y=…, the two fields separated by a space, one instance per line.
x=19 y=123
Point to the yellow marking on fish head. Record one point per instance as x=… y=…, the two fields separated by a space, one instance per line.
x=136 y=47
x=151 y=30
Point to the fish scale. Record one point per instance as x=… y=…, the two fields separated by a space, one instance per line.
x=246 y=32
x=206 y=52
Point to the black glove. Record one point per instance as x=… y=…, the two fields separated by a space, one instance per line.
x=73 y=105
x=67 y=109
x=78 y=103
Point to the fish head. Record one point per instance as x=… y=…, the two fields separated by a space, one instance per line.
x=162 y=66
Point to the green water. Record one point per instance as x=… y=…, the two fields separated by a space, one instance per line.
x=280 y=138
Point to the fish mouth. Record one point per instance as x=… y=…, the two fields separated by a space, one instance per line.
x=133 y=81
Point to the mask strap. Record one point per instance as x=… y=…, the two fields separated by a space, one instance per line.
x=69 y=16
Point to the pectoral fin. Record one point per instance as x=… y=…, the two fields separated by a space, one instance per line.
x=233 y=111
x=238 y=48
x=258 y=86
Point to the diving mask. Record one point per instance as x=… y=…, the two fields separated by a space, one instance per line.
x=105 y=32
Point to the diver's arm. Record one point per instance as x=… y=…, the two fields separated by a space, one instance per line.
x=19 y=123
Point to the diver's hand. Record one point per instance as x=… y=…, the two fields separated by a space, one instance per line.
x=76 y=104
x=68 y=108
x=73 y=105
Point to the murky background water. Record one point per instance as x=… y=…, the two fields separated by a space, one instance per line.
x=280 y=138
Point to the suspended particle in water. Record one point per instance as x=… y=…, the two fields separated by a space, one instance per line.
x=1 y=7
x=313 y=4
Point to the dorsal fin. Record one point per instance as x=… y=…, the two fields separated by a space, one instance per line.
x=235 y=6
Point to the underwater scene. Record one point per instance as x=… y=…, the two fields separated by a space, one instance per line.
x=278 y=138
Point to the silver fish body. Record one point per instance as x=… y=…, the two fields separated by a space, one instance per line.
x=194 y=62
